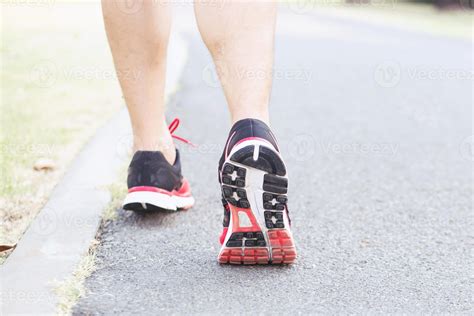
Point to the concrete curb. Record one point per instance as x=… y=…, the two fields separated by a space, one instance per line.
x=62 y=232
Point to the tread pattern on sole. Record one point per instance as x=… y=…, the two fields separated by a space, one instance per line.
x=282 y=250
x=233 y=175
x=244 y=256
x=274 y=219
x=274 y=201
x=235 y=196
x=282 y=246
x=246 y=239
x=274 y=205
x=267 y=161
x=248 y=245
x=275 y=184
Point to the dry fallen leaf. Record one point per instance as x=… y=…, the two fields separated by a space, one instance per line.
x=6 y=247
x=44 y=164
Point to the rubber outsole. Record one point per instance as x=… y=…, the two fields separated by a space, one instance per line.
x=145 y=207
x=266 y=237
x=139 y=207
x=146 y=201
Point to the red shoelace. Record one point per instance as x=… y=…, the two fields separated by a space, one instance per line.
x=172 y=127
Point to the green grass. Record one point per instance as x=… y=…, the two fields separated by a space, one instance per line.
x=58 y=86
x=117 y=190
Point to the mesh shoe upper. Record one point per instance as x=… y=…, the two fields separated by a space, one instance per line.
x=150 y=168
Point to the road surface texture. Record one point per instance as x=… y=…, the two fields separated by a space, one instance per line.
x=375 y=125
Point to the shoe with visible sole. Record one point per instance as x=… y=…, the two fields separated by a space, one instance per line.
x=154 y=184
x=254 y=186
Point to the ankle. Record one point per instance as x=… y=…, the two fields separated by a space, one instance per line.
x=163 y=144
x=264 y=117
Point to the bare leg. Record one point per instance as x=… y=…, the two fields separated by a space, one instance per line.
x=240 y=38
x=138 y=40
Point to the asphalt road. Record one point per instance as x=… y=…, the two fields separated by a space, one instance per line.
x=375 y=124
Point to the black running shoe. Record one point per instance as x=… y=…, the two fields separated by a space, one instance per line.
x=153 y=184
x=254 y=186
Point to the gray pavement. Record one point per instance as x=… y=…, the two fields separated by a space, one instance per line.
x=375 y=124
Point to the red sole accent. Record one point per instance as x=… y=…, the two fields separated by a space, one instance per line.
x=234 y=211
x=281 y=248
x=244 y=256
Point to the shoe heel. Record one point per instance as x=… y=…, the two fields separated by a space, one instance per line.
x=275 y=243
x=282 y=246
x=246 y=244
x=244 y=256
